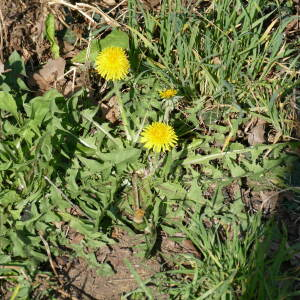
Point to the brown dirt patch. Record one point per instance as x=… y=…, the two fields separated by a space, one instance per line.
x=84 y=283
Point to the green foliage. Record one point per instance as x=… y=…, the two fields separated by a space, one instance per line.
x=7 y=103
x=50 y=34
x=116 y=38
x=13 y=80
x=230 y=267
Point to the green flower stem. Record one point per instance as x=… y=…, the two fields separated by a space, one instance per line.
x=167 y=114
x=135 y=190
x=155 y=161
x=122 y=111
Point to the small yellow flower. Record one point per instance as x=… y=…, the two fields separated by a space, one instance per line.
x=166 y=94
x=112 y=63
x=159 y=136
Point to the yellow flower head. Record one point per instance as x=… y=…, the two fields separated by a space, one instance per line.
x=166 y=94
x=112 y=63
x=159 y=136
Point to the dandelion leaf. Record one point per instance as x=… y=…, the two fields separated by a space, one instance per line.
x=116 y=38
x=83 y=56
x=8 y=103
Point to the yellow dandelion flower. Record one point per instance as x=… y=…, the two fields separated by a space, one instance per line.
x=166 y=94
x=112 y=63
x=159 y=136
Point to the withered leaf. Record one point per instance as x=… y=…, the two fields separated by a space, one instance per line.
x=257 y=133
x=50 y=72
x=269 y=200
x=110 y=110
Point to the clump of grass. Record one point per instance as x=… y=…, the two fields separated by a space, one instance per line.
x=229 y=53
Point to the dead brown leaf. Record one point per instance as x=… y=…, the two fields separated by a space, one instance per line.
x=216 y=60
x=169 y=246
x=151 y=4
x=107 y=3
x=269 y=200
x=110 y=110
x=51 y=72
x=257 y=133
x=69 y=50
x=189 y=247
x=297 y=128
x=75 y=237
x=117 y=233
x=293 y=25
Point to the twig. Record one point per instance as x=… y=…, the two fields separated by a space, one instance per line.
x=102 y=129
x=3 y=34
x=79 y=6
x=110 y=21
x=75 y=7
x=72 y=69
x=119 y=4
x=49 y=256
x=9 y=276
x=19 y=268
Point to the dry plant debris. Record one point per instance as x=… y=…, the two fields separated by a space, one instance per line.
x=257 y=133
x=50 y=74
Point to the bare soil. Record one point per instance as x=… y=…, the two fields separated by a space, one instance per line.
x=84 y=282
